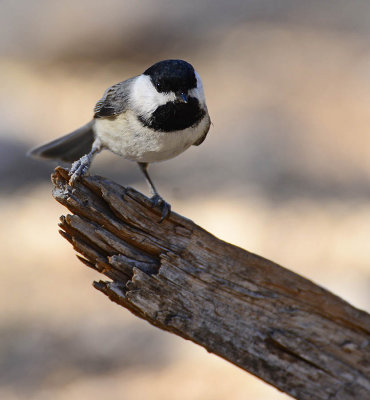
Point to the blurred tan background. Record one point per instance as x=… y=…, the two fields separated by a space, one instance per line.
x=284 y=172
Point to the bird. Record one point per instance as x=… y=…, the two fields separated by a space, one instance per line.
x=151 y=117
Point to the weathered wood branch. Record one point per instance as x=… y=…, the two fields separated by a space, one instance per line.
x=264 y=318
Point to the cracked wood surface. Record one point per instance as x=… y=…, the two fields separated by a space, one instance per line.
x=254 y=313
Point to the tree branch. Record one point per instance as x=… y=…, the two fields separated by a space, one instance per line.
x=264 y=318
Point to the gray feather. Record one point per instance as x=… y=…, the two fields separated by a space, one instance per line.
x=115 y=100
x=203 y=137
x=69 y=148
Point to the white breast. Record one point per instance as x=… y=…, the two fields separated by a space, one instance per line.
x=127 y=137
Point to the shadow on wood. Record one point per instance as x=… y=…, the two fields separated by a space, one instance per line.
x=264 y=318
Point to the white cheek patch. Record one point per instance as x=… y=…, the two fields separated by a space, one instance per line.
x=198 y=92
x=145 y=98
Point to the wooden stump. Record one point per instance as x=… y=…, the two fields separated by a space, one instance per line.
x=265 y=319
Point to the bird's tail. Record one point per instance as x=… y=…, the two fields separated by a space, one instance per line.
x=69 y=148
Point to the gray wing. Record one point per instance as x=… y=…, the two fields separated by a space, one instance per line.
x=203 y=137
x=115 y=100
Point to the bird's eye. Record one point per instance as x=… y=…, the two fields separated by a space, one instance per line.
x=158 y=86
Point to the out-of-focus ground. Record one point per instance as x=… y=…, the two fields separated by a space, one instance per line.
x=284 y=172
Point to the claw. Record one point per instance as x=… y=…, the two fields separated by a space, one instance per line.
x=157 y=201
x=78 y=169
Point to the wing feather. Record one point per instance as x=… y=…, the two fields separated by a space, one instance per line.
x=203 y=137
x=114 y=101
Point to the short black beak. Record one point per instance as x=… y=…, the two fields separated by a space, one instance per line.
x=182 y=97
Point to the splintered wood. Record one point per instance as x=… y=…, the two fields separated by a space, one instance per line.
x=254 y=313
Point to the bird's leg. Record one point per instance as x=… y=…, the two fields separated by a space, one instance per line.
x=156 y=199
x=144 y=168
x=81 y=166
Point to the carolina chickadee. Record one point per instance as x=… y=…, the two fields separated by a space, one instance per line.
x=152 y=117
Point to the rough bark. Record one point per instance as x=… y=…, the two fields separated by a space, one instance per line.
x=254 y=313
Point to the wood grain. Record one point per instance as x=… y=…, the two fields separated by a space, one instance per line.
x=267 y=320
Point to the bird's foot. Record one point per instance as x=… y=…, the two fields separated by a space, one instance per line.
x=78 y=169
x=157 y=201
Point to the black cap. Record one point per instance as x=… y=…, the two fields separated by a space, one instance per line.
x=172 y=76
